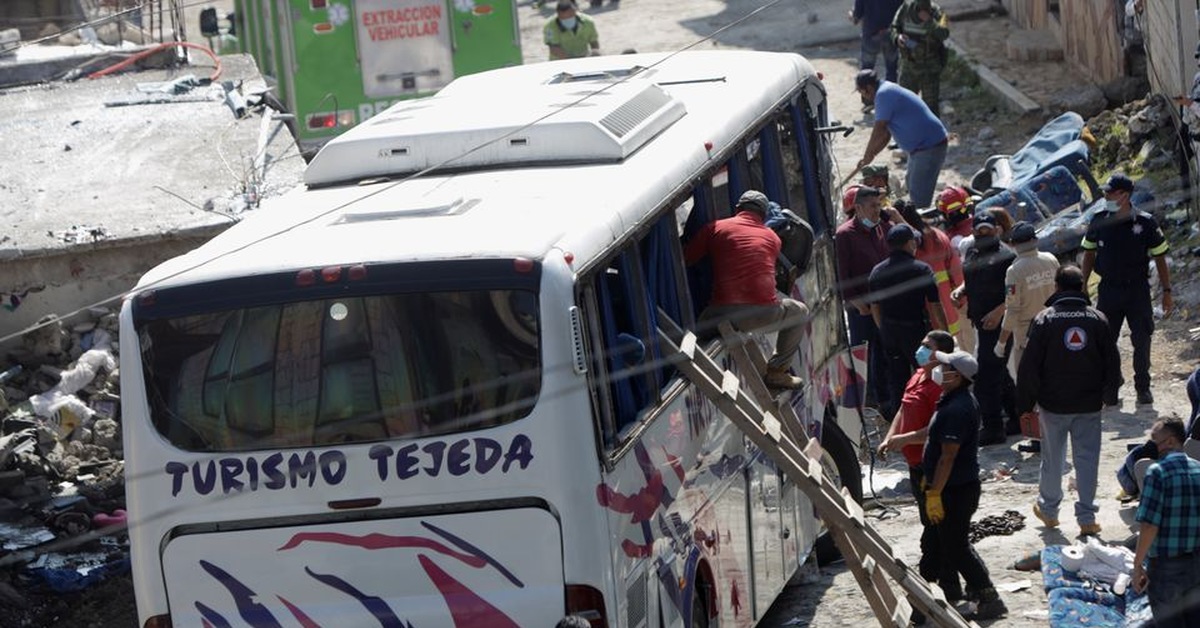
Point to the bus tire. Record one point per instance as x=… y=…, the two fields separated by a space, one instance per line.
x=700 y=618
x=838 y=447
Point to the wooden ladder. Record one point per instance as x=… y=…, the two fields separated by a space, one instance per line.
x=776 y=429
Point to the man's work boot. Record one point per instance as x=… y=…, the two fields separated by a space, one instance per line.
x=1049 y=522
x=989 y=606
x=1145 y=398
x=781 y=378
x=1089 y=529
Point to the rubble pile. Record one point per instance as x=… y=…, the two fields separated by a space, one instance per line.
x=62 y=491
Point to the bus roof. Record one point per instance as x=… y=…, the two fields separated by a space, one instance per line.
x=506 y=209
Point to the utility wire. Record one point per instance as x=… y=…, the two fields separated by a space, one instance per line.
x=389 y=186
x=612 y=376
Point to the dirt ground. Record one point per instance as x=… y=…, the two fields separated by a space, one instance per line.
x=832 y=597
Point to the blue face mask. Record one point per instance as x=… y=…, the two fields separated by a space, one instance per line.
x=868 y=223
x=568 y=23
x=923 y=355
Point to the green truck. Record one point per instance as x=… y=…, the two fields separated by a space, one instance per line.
x=335 y=63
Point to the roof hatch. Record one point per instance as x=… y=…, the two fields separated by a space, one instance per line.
x=460 y=128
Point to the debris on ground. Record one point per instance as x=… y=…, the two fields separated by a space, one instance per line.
x=62 y=480
x=996 y=525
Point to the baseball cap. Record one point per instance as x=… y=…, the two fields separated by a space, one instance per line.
x=865 y=78
x=984 y=219
x=960 y=361
x=754 y=201
x=866 y=192
x=1118 y=183
x=870 y=172
x=900 y=234
x=1023 y=232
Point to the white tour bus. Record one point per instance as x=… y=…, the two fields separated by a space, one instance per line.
x=441 y=402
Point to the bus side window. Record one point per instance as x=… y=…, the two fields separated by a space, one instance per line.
x=768 y=163
x=719 y=200
x=793 y=174
x=628 y=339
x=699 y=275
x=666 y=284
x=805 y=140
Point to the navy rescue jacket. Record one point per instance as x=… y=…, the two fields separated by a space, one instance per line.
x=1071 y=359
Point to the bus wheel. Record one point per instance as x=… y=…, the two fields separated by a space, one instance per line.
x=840 y=454
x=700 y=617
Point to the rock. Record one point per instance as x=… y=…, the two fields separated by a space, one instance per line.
x=107 y=434
x=986 y=133
x=1125 y=89
x=1087 y=101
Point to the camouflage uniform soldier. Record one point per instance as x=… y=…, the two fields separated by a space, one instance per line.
x=919 y=31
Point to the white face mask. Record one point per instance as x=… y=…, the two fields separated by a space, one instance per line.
x=938 y=375
x=568 y=23
x=1111 y=205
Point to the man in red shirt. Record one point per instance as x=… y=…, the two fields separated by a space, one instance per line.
x=860 y=244
x=743 y=252
x=908 y=431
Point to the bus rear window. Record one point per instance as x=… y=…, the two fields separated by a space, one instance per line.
x=342 y=370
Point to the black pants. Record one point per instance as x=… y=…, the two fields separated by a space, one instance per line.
x=900 y=342
x=956 y=555
x=1131 y=302
x=994 y=387
x=929 y=566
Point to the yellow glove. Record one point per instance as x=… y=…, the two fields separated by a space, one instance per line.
x=934 y=509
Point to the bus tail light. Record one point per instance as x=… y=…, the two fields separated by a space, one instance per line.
x=158 y=621
x=331 y=274
x=588 y=603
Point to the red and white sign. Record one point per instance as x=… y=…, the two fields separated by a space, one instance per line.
x=405 y=46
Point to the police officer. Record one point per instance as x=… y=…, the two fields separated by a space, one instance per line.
x=1027 y=285
x=1119 y=244
x=904 y=302
x=984 y=270
x=920 y=30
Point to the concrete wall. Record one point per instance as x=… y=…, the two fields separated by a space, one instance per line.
x=1170 y=34
x=61 y=284
x=32 y=17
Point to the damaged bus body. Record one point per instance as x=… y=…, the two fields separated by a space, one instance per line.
x=439 y=400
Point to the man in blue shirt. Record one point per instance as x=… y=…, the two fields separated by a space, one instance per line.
x=902 y=115
x=1169 y=536
x=875 y=16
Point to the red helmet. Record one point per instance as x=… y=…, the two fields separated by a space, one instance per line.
x=955 y=203
x=848 y=199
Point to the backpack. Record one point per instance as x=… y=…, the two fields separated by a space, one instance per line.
x=796 y=237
